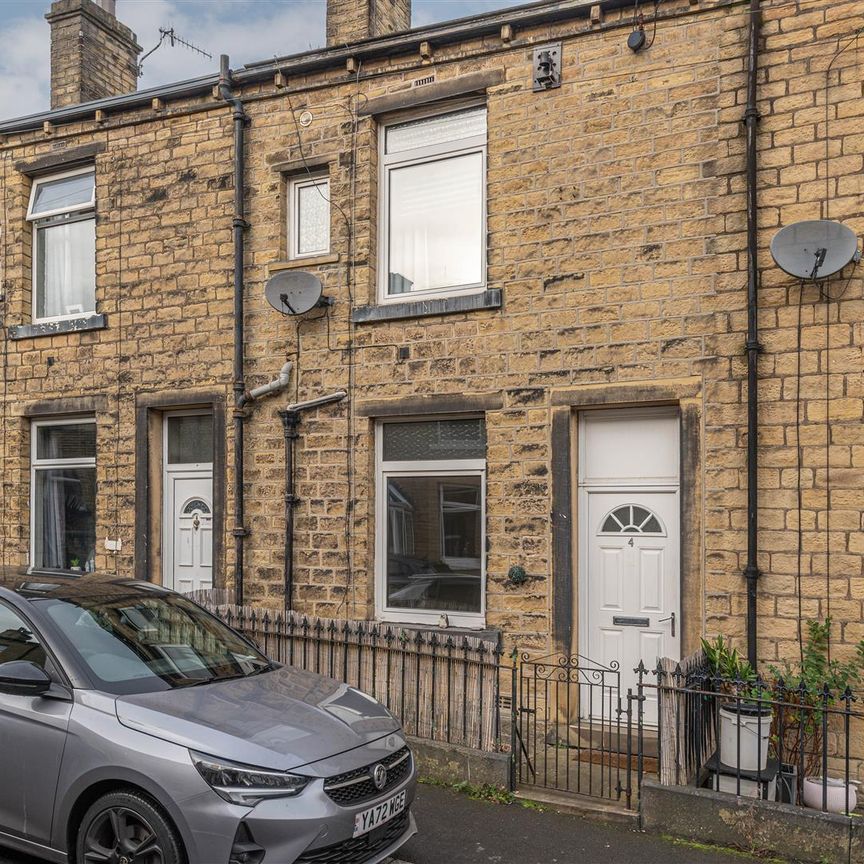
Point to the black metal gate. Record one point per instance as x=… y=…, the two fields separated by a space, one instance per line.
x=573 y=730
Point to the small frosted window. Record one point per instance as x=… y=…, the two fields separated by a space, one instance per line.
x=196 y=504
x=631 y=519
x=434 y=439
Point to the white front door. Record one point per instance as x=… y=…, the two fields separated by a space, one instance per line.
x=188 y=501
x=629 y=531
x=189 y=550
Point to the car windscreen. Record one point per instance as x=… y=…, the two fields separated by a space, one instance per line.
x=137 y=643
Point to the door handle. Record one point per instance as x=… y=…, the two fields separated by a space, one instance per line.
x=669 y=618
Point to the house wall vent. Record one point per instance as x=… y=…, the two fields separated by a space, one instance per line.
x=422 y=82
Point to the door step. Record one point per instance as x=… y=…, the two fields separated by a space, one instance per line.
x=580 y=805
x=602 y=738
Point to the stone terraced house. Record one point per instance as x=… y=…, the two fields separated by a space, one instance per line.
x=531 y=349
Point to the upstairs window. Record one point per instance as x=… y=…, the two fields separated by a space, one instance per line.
x=64 y=245
x=309 y=216
x=433 y=229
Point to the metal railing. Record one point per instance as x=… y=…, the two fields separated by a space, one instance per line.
x=441 y=687
x=779 y=742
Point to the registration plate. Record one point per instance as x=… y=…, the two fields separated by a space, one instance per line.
x=379 y=814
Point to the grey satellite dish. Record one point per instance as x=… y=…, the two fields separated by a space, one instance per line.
x=814 y=250
x=293 y=292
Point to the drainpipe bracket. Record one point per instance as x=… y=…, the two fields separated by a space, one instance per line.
x=753 y=345
x=752 y=573
x=240 y=532
x=752 y=114
x=237 y=222
x=292 y=499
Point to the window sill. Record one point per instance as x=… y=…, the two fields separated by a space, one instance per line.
x=302 y=263
x=489 y=299
x=481 y=631
x=57 y=328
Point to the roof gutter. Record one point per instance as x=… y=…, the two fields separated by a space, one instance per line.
x=325 y=58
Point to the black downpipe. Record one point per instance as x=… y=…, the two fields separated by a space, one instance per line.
x=751 y=120
x=239 y=225
x=290 y=422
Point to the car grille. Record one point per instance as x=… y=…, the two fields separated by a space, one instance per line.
x=360 y=849
x=356 y=787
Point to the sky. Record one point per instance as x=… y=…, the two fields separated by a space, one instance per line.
x=246 y=30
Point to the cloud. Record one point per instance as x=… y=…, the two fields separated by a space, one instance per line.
x=246 y=30
x=24 y=67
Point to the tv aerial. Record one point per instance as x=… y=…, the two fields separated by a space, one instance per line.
x=294 y=292
x=174 y=40
x=814 y=249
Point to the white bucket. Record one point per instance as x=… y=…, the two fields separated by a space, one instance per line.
x=755 y=725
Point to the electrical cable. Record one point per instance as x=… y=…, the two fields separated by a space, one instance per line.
x=119 y=354
x=798 y=464
x=4 y=416
x=825 y=293
x=350 y=276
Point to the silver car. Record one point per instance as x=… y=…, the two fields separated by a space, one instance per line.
x=136 y=728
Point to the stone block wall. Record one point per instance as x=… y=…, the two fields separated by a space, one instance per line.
x=616 y=219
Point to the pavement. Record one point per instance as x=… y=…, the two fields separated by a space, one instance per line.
x=457 y=830
x=454 y=829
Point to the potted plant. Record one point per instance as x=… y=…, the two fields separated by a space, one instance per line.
x=745 y=718
x=807 y=690
x=75 y=564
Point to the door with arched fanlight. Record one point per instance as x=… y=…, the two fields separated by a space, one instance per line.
x=188 y=510
x=629 y=520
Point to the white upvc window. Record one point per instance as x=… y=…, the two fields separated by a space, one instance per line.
x=308 y=216
x=431 y=518
x=63 y=494
x=433 y=205
x=63 y=217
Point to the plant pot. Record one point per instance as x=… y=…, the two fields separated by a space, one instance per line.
x=753 y=724
x=836 y=794
x=75 y=569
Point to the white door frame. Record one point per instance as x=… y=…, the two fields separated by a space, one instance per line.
x=632 y=486
x=171 y=472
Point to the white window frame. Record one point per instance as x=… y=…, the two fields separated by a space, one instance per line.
x=455 y=468
x=86 y=209
x=37 y=464
x=295 y=185
x=418 y=156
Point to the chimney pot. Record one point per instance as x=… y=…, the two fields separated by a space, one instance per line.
x=350 y=21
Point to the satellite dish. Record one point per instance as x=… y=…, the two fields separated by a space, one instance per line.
x=293 y=292
x=814 y=250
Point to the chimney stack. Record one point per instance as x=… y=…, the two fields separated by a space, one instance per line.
x=351 y=21
x=93 y=55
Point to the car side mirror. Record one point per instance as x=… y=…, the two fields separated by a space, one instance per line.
x=23 y=678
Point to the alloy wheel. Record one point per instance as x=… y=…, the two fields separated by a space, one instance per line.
x=119 y=835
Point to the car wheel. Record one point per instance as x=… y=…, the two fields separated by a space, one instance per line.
x=125 y=828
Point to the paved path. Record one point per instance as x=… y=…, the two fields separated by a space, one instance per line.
x=456 y=830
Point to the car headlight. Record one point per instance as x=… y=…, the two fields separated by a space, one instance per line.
x=242 y=784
